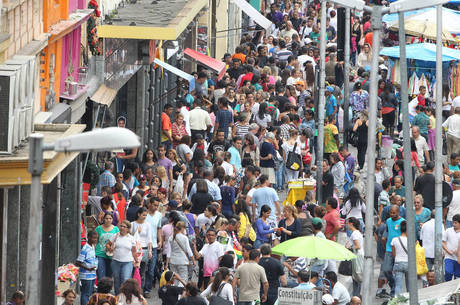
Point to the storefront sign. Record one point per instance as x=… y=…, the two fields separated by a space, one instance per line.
x=291 y=296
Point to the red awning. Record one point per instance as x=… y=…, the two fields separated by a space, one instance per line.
x=216 y=65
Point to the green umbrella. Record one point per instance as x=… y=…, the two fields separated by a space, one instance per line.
x=313 y=247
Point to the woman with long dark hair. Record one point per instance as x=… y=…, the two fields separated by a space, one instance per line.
x=190 y=295
x=361 y=128
x=389 y=104
x=201 y=198
x=242 y=210
x=143 y=229
x=356 y=243
x=354 y=207
x=104 y=233
x=130 y=293
x=264 y=231
x=149 y=160
x=220 y=286
x=250 y=150
x=263 y=118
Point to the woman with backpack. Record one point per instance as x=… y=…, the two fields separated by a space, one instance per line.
x=219 y=288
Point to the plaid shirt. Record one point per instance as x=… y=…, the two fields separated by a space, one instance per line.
x=284 y=133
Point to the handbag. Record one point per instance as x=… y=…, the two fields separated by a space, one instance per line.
x=109 y=253
x=217 y=299
x=179 y=187
x=345 y=268
x=358 y=266
x=294 y=160
x=353 y=138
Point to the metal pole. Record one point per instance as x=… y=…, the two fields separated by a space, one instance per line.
x=321 y=104
x=35 y=220
x=346 y=76
x=410 y=212
x=438 y=153
x=371 y=140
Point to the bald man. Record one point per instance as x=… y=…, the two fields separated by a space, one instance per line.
x=355 y=301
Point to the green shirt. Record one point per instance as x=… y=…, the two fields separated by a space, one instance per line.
x=330 y=144
x=401 y=192
x=422 y=120
x=102 y=239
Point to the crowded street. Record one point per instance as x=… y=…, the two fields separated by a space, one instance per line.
x=232 y=152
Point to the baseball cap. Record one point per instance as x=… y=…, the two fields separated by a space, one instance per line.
x=316 y=220
x=173 y=203
x=383 y=67
x=299 y=82
x=330 y=89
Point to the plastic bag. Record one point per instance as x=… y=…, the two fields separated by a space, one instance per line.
x=137 y=276
x=422 y=267
x=358 y=266
x=137 y=238
x=179 y=187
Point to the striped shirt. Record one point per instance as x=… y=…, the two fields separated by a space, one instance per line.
x=241 y=130
x=283 y=54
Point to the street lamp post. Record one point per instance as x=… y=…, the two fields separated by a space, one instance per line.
x=97 y=140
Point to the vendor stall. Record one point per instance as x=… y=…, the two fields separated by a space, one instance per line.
x=298 y=189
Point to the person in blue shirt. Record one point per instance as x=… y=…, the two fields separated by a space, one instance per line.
x=393 y=230
x=235 y=160
x=87 y=261
x=331 y=102
x=307 y=280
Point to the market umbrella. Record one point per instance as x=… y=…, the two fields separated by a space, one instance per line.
x=313 y=247
x=424 y=28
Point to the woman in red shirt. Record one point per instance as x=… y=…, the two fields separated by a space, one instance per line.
x=178 y=129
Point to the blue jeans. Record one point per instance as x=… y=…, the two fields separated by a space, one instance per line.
x=449 y=224
x=86 y=290
x=121 y=272
x=167 y=144
x=258 y=243
x=279 y=177
x=150 y=274
x=119 y=165
x=400 y=269
x=388 y=263
x=103 y=267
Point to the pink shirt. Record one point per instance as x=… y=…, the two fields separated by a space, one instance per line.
x=332 y=221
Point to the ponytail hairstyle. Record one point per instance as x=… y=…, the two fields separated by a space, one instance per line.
x=221 y=274
x=178 y=227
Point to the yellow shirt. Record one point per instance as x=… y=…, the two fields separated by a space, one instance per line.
x=245 y=222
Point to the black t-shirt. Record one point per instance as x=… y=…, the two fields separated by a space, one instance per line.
x=169 y=294
x=273 y=271
x=131 y=213
x=199 y=202
x=424 y=185
x=198 y=300
x=282 y=100
x=328 y=187
x=216 y=146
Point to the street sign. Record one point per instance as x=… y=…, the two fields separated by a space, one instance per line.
x=292 y=296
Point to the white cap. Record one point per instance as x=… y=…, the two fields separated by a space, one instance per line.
x=327 y=299
x=383 y=67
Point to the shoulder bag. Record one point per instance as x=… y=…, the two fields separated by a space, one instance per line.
x=293 y=161
x=217 y=299
x=186 y=254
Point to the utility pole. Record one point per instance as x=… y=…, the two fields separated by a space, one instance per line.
x=438 y=153
x=410 y=212
x=321 y=105
x=346 y=76
x=376 y=24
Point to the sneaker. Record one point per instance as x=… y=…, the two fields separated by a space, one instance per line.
x=147 y=295
x=383 y=294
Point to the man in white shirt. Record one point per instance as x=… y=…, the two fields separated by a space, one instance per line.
x=452 y=124
x=339 y=292
x=422 y=147
x=454 y=206
x=288 y=31
x=211 y=253
x=450 y=241
x=427 y=237
x=200 y=121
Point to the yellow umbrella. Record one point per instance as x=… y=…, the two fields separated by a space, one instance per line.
x=423 y=28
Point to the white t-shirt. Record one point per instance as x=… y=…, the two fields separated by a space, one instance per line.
x=450 y=237
x=340 y=293
x=453 y=125
x=456 y=102
x=211 y=254
x=354 y=211
x=356 y=235
x=202 y=220
x=226 y=293
x=228 y=168
x=288 y=148
x=123 y=245
x=184 y=111
x=401 y=255
x=422 y=146
x=427 y=237
x=454 y=206
x=145 y=234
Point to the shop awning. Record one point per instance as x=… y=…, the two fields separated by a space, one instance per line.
x=174 y=70
x=253 y=13
x=104 y=95
x=216 y=65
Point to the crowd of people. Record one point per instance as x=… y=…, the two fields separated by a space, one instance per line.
x=198 y=214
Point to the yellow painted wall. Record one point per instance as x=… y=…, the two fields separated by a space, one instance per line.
x=221 y=25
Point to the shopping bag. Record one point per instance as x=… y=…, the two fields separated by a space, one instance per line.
x=422 y=267
x=179 y=187
x=137 y=276
x=358 y=266
x=294 y=160
x=346 y=268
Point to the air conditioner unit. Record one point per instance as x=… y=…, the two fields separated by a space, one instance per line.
x=7 y=87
